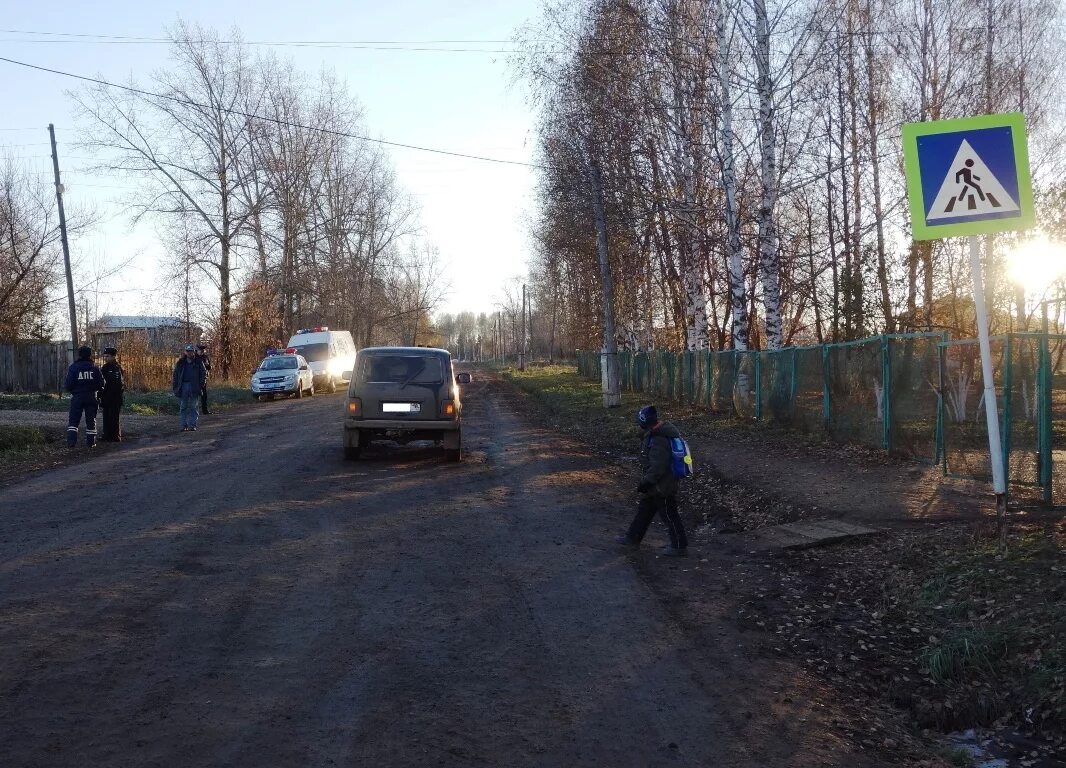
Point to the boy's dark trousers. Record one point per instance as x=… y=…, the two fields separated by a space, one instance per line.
x=666 y=506
x=203 y=400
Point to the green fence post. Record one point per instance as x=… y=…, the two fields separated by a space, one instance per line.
x=1005 y=428
x=1045 y=426
x=939 y=454
x=826 y=402
x=886 y=393
x=758 y=384
x=795 y=386
x=692 y=368
x=708 y=377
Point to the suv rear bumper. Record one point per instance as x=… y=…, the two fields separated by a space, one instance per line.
x=404 y=425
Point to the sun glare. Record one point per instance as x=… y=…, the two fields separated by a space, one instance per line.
x=1037 y=263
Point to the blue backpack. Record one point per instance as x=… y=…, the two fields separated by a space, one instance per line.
x=681 y=458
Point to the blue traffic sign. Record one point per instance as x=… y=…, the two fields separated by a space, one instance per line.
x=968 y=176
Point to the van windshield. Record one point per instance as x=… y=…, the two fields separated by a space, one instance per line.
x=313 y=353
x=398 y=369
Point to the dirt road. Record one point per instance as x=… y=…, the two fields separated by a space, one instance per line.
x=242 y=596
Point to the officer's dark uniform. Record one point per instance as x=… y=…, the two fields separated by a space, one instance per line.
x=83 y=381
x=201 y=352
x=111 y=398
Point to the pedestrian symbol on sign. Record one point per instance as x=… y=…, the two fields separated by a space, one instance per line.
x=970 y=189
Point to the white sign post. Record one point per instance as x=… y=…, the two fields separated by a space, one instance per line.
x=995 y=444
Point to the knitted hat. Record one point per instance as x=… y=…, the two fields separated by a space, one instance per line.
x=648 y=417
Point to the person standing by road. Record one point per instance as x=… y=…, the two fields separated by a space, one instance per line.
x=658 y=485
x=201 y=352
x=83 y=381
x=111 y=396
x=188 y=382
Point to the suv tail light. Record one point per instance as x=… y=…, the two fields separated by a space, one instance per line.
x=447 y=409
x=355 y=408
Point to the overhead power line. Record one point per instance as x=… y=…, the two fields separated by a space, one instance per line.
x=276 y=121
x=307 y=42
x=375 y=45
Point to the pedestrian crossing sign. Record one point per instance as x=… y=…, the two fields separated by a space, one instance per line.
x=968 y=176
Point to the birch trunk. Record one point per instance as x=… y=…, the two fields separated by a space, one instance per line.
x=738 y=298
x=612 y=392
x=769 y=264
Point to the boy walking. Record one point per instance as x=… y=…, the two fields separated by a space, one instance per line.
x=658 y=485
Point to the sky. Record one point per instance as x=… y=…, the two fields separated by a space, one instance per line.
x=475 y=212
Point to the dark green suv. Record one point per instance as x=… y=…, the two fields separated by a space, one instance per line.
x=404 y=394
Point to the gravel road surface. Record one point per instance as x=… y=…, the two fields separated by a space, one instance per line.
x=242 y=596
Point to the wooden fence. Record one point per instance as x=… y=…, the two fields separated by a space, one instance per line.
x=42 y=367
x=33 y=367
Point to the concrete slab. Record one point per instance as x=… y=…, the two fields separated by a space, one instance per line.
x=806 y=533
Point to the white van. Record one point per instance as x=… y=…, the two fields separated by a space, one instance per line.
x=331 y=354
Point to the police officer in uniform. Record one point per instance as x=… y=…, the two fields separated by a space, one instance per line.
x=111 y=399
x=201 y=353
x=83 y=381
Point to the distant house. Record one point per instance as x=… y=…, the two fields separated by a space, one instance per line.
x=161 y=334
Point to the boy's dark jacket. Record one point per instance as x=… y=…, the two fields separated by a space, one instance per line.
x=656 y=459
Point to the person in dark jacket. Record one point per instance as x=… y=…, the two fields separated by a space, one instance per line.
x=112 y=396
x=201 y=352
x=658 y=485
x=83 y=381
x=187 y=383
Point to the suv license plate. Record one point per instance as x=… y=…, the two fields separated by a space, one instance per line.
x=401 y=407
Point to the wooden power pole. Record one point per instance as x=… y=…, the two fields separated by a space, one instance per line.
x=66 y=245
x=522 y=340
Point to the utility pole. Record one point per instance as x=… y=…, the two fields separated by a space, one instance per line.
x=522 y=342
x=529 y=315
x=66 y=245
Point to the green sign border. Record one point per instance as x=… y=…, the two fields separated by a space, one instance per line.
x=1026 y=217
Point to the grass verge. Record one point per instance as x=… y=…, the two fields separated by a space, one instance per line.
x=138 y=403
x=17 y=438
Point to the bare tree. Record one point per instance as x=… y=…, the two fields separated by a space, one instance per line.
x=190 y=146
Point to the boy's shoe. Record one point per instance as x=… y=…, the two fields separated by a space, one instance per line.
x=673 y=552
x=625 y=541
x=192 y=429
x=184 y=429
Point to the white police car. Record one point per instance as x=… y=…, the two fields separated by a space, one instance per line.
x=282 y=373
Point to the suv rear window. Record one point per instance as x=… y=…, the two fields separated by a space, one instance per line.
x=399 y=369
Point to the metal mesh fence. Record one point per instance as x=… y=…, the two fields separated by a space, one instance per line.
x=808 y=389
x=855 y=382
x=1020 y=407
x=915 y=394
x=965 y=423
